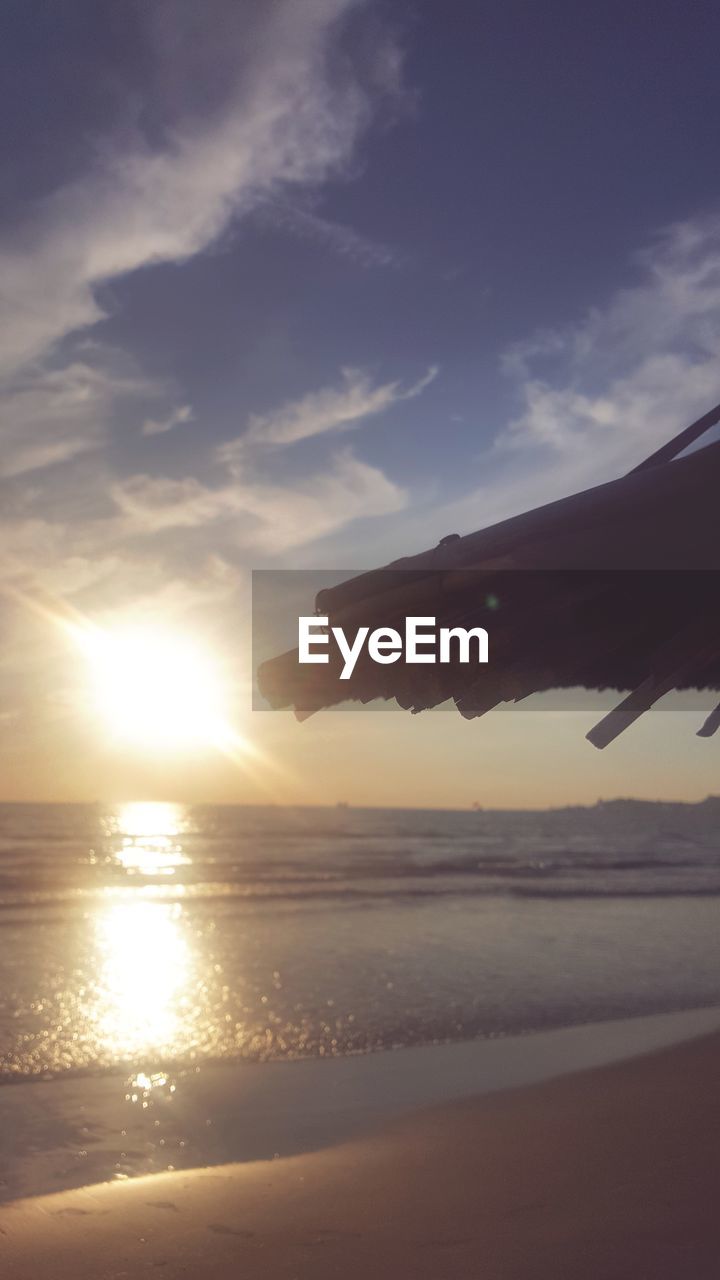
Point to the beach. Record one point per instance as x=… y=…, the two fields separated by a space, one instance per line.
x=608 y=1174
x=359 y=641
x=309 y=1043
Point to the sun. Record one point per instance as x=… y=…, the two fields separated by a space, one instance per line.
x=156 y=688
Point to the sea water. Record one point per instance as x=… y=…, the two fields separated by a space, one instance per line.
x=146 y=936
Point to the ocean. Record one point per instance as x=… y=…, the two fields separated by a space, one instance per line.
x=148 y=938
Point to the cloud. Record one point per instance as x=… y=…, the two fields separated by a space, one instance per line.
x=158 y=426
x=51 y=415
x=247 y=106
x=319 y=412
x=293 y=515
x=280 y=517
x=342 y=240
x=153 y=503
x=291 y=119
x=622 y=423
x=280 y=108
x=600 y=395
x=631 y=372
x=269 y=516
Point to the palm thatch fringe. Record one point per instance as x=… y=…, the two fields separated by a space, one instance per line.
x=612 y=588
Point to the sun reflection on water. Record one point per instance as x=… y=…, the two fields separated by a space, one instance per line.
x=145 y=960
x=148 y=818
x=148 y=838
x=144 y=969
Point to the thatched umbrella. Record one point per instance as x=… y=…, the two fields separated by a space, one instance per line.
x=612 y=588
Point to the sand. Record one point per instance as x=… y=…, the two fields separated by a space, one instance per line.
x=77 y=1130
x=610 y=1173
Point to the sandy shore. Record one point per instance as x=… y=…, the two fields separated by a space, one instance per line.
x=76 y=1131
x=611 y=1173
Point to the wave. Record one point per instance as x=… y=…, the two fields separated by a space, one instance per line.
x=55 y=858
x=57 y=909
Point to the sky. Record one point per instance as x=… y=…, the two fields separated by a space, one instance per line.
x=311 y=284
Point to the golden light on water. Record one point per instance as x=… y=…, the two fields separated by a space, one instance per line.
x=150 y=839
x=146 y=819
x=145 y=966
x=145 y=961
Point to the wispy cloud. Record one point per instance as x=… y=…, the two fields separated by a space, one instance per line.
x=287 y=122
x=271 y=516
x=599 y=395
x=281 y=111
x=316 y=506
x=159 y=426
x=341 y=239
x=279 y=517
x=319 y=412
x=631 y=372
x=51 y=415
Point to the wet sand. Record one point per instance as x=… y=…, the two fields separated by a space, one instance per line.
x=77 y=1130
x=609 y=1174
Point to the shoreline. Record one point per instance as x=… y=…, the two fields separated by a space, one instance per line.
x=608 y=1173
x=87 y=1130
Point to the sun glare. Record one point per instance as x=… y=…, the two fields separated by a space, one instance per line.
x=159 y=690
x=156 y=688
x=148 y=835
x=144 y=966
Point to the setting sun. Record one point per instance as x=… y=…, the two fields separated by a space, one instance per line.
x=156 y=688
